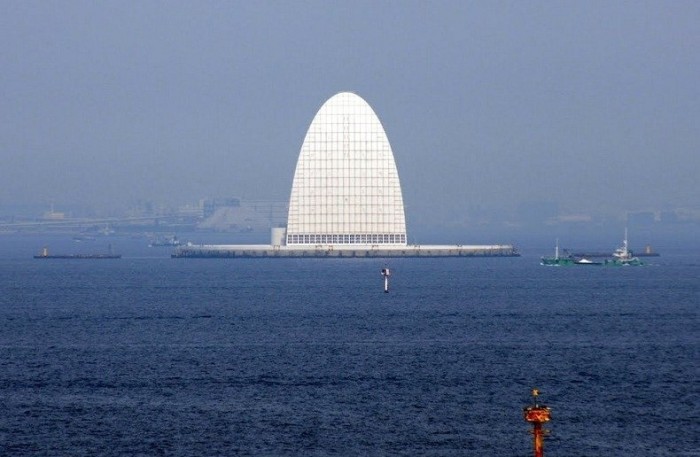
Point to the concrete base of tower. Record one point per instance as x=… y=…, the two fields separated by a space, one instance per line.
x=335 y=251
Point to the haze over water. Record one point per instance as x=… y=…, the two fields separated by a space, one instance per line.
x=502 y=116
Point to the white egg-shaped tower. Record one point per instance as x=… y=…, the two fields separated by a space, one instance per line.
x=346 y=188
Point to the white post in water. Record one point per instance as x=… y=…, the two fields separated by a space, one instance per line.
x=386 y=273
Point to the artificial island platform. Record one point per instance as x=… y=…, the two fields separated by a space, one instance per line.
x=346 y=198
x=337 y=251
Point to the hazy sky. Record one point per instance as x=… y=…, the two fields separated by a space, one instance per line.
x=595 y=105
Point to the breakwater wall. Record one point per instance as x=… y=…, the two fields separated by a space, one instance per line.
x=254 y=251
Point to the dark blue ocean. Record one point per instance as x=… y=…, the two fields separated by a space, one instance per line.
x=150 y=356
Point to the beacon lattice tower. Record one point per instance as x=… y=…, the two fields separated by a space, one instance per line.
x=537 y=415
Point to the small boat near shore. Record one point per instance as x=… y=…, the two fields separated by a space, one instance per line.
x=169 y=241
x=46 y=255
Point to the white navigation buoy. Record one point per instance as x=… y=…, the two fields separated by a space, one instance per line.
x=386 y=273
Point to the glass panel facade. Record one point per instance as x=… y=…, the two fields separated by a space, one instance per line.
x=346 y=187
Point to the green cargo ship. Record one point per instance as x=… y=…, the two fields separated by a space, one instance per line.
x=557 y=260
x=620 y=258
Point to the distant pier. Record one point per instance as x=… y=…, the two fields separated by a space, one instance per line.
x=262 y=251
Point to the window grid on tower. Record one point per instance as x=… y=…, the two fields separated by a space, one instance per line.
x=346 y=188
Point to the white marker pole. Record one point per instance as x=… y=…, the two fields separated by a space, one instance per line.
x=386 y=273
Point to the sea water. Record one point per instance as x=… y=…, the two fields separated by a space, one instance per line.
x=309 y=357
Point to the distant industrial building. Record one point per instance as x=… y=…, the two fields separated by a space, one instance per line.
x=346 y=198
x=210 y=205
